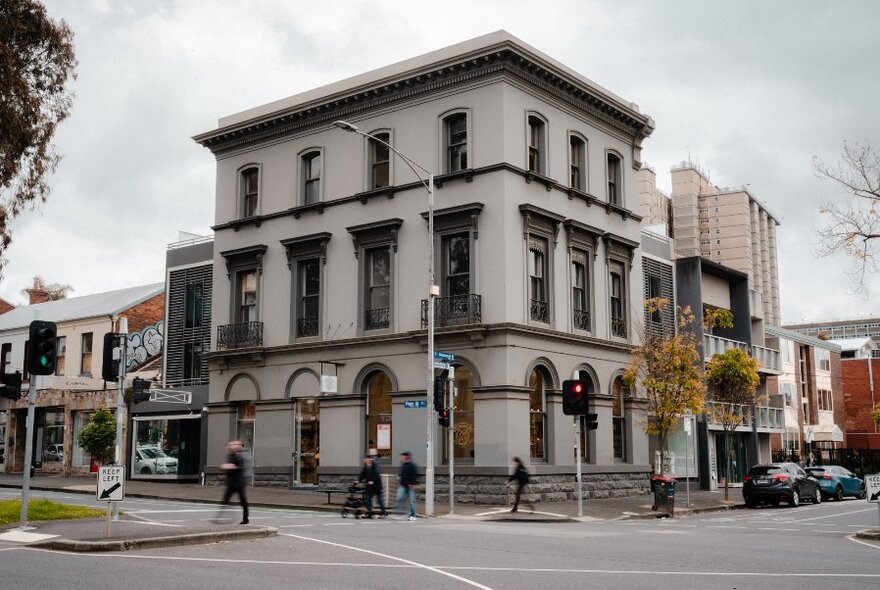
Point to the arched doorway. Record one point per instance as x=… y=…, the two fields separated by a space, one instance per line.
x=619 y=393
x=378 y=386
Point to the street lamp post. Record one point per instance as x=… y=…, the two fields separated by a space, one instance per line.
x=433 y=291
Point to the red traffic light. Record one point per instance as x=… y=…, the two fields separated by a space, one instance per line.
x=574 y=397
x=578 y=387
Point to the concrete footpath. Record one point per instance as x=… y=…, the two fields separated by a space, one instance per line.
x=127 y=534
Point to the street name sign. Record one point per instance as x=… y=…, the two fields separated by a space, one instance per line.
x=444 y=356
x=442 y=365
x=415 y=403
x=111 y=483
x=872 y=484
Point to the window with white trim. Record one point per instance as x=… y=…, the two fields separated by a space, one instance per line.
x=537 y=145
x=380 y=161
x=455 y=140
x=250 y=191
x=615 y=186
x=311 y=175
x=577 y=150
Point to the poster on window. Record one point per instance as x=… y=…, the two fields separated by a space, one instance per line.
x=383 y=436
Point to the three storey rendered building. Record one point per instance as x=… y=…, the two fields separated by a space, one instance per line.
x=320 y=272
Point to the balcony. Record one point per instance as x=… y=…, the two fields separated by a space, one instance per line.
x=306 y=327
x=457 y=310
x=240 y=335
x=581 y=319
x=713 y=345
x=377 y=319
x=767 y=418
x=539 y=311
x=768 y=359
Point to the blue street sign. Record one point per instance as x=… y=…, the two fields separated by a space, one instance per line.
x=443 y=366
x=417 y=403
x=444 y=356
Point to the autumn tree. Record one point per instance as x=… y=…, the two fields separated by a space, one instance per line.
x=666 y=370
x=852 y=220
x=36 y=63
x=875 y=414
x=734 y=377
x=98 y=438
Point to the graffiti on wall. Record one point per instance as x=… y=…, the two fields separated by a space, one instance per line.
x=145 y=344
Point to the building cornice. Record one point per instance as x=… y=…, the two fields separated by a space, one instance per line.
x=506 y=58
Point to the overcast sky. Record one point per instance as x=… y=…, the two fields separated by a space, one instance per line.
x=748 y=90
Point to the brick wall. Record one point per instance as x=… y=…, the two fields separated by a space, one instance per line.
x=145 y=314
x=857 y=400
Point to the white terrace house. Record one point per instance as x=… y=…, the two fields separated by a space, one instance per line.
x=320 y=263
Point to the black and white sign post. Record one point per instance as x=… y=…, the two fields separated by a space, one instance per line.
x=28 y=451
x=120 y=397
x=111 y=489
x=872 y=487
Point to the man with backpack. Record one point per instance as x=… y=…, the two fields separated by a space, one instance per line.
x=521 y=477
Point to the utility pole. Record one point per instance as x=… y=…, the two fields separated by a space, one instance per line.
x=450 y=445
x=120 y=398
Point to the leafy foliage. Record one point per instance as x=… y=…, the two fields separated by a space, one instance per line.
x=852 y=220
x=36 y=61
x=54 y=291
x=734 y=377
x=43 y=509
x=875 y=414
x=667 y=372
x=98 y=438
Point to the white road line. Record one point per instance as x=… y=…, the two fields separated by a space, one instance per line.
x=338 y=524
x=725 y=526
x=769 y=528
x=854 y=540
x=407 y=561
x=662 y=532
x=153 y=523
x=827 y=531
x=835 y=515
x=290 y=526
x=661 y=572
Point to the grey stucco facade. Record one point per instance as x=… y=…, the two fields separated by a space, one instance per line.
x=536 y=251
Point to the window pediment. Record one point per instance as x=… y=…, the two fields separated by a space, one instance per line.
x=249 y=255
x=459 y=217
x=375 y=233
x=541 y=221
x=619 y=248
x=310 y=245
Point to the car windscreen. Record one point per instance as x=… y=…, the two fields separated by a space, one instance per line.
x=766 y=470
x=816 y=470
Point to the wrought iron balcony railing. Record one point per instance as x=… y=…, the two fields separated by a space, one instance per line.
x=618 y=327
x=240 y=335
x=457 y=310
x=539 y=311
x=582 y=319
x=377 y=319
x=306 y=327
x=766 y=417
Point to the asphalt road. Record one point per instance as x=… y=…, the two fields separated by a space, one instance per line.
x=806 y=547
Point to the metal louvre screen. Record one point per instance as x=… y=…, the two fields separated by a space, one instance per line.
x=188 y=329
x=658 y=283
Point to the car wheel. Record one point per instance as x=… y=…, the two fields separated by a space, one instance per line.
x=146 y=471
x=817 y=498
x=795 y=499
x=838 y=494
x=863 y=493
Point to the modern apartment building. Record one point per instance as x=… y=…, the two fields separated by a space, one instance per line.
x=729 y=226
x=810 y=389
x=840 y=329
x=66 y=400
x=168 y=436
x=320 y=283
x=655 y=206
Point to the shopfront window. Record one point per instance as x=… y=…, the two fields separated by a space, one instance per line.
x=80 y=457
x=463 y=416
x=165 y=446
x=537 y=415
x=53 y=435
x=247 y=414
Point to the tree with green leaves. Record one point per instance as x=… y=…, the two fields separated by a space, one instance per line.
x=98 y=438
x=36 y=63
x=666 y=370
x=734 y=379
x=875 y=414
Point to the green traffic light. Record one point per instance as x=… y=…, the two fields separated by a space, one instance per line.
x=44 y=361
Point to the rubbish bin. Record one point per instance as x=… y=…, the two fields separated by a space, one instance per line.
x=664 y=494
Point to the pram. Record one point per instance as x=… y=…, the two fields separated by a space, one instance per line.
x=354 y=502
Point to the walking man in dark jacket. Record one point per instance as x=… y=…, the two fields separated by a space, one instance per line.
x=521 y=477
x=235 y=477
x=372 y=479
x=408 y=478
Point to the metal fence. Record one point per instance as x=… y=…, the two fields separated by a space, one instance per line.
x=860 y=461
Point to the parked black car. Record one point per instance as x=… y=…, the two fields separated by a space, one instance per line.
x=779 y=482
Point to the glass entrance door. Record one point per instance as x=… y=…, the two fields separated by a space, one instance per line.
x=306 y=452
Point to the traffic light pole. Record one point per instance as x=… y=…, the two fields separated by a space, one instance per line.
x=28 y=451
x=450 y=434
x=120 y=399
x=577 y=460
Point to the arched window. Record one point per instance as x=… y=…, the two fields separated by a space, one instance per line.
x=250 y=191
x=577 y=162
x=537 y=131
x=539 y=380
x=619 y=393
x=380 y=160
x=455 y=142
x=615 y=187
x=463 y=416
x=311 y=176
x=379 y=415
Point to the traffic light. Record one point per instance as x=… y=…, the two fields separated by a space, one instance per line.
x=110 y=366
x=141 y=389
x=11 y=385
x=443 y=418
x=591 y=421
x=440 y=390
x=42 y=351
x=574 y=397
